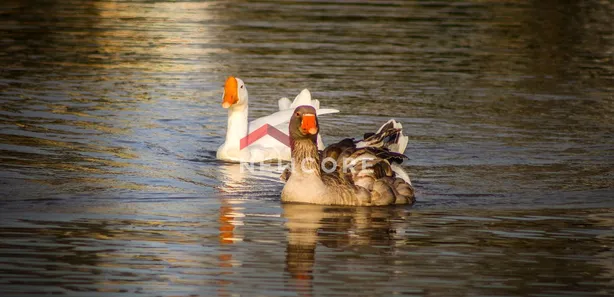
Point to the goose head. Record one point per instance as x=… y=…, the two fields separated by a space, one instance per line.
x=235 y=93
x=304 y=123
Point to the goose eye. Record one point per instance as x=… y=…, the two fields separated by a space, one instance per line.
x=241 y=86
x=298 y=114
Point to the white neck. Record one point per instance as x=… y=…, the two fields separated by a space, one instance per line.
x=237 y=126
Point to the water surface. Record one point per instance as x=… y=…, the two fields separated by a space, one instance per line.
x=110 y=118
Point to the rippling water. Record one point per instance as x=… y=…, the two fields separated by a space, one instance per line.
x=110 y=117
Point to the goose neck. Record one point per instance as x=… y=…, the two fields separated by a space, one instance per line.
x=237 y=125
x=305 y=157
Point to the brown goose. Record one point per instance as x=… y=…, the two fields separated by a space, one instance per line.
x=358 y=173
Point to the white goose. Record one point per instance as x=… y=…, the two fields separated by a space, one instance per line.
x=259 y=140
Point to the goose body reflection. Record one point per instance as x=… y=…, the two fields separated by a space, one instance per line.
x=335 y=227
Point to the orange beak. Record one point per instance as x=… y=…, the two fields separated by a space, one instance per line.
x=308 y=124
x=230 y=92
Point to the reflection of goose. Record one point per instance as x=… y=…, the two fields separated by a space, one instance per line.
x=244 y=178
x=232 y=177
x=350 y=227
x=229 y=217
x=360 y=173
x=267 y=147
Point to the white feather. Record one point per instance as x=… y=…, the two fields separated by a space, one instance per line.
x=282 y=117
x=284 y=103
x=400 y=173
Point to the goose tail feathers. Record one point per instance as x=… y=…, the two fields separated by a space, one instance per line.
x=390 y=136
x=303 y=98
x=284 y=103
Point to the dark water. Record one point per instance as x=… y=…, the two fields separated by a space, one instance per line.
x=110 y=117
